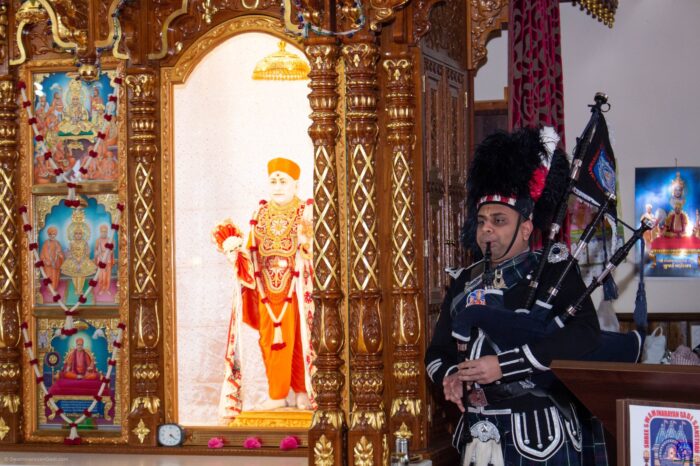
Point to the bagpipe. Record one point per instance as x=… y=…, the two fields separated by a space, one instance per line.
x=592 y=179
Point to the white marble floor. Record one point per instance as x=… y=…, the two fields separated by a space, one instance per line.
x=79 y=459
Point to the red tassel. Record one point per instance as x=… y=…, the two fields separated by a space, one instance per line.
x=253 y=222
x=101 y=265
x=116 y=344
x=87 y=413
x=26 y=104
x=28 y=344
x=112 y=362
x=40 y=379
x=83 y=171
x=109 y=246
x=31 y=121
x=277 y=324
x=118 y=80
x=56 y=298
x=97 y=398
x=33 y=246
x=47 y=155
x=121 y=326
x=265 y=300
x=92 y=283
x=24 y=325
x=101 y=135
x=115 y=227
x=21 y=85
x=34 y=362
x=23 y=209
x=309 y=202
x=71 y=313
x=82 y=299
x=38 y=264
x=58 y=172
x=47 y=397
x=278 y=346
x=120 y=207
x=108 y=117
x=27 y=227
x=39 y=138
x=112 y=98
x=92 y=154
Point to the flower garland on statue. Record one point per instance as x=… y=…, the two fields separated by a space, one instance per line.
x=277 y=340
x=73 y=438
x=73 y=202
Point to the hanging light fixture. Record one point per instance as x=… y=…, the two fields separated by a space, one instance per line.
x=281 y=66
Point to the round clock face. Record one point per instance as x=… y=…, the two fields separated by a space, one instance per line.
x=170 y=435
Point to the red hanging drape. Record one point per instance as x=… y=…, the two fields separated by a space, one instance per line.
x=535 y=82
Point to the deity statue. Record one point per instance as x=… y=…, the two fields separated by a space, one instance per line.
x=78 y=265
x=79 y=363
x=274 y=281
x=677 y=220
x=75 y=119
x=52 y=256
x=106 y=255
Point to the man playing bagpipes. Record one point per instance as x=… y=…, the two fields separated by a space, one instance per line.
x=530 y=419
x=492 y=348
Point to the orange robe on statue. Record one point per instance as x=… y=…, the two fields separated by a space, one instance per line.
x=276 y=239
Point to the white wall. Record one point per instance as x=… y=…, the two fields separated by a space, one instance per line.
x=648 y=65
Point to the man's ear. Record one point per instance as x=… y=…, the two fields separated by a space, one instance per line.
x=526 y=229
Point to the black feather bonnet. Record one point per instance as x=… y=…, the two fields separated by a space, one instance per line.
x=522 y=170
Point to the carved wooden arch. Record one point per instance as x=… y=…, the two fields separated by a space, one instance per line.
x=186 y=62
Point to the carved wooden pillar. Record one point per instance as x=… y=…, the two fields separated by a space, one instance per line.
x=367 y=439
x=328 y=424
x=145 y=322
x=10 y=373
x=406 y=407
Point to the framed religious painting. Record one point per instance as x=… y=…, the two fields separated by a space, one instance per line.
x=72 y=244
x=669 y=197
x=70 y=120
x=73 y=187
x=78 y=383
x=654 y=433
x=237 y=184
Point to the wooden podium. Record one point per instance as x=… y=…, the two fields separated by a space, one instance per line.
x=600 y=385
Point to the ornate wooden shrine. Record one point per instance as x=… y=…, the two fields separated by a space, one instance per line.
x=391 y=104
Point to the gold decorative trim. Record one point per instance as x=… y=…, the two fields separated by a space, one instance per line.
x=141 y=431
x=364 y=452
x=375 y=419
x=336 y=418
x=323 y=452
x=170 y=76
x=30 y=7
x=164 y=32
x=484 y=17
x=4 y=428
x=10 y=402
x=403 y=432
x=110 y=34
x=408 y=405
x=285 y=418
x=151 y=403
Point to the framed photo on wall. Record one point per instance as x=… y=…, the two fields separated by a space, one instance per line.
x=657 y=433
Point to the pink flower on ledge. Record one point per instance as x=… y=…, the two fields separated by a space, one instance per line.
x=215 y=442
x=252 y=443
x=290 y=442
